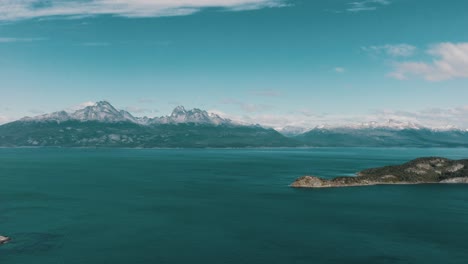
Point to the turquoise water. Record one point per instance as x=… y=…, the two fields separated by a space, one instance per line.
x=222 y=206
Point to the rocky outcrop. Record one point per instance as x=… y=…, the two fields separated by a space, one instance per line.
x=4 y=239
x=422 y=170
x=311 y=182
x=456 y=180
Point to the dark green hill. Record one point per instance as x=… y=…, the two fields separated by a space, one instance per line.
x=128 y=134
x=381 y=137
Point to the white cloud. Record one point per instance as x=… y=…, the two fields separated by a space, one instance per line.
x=366 y=5
x=141 y=110
x=394 y=50
x=11 y=10
x=80 y=106
x=449 y=61
x=339 y=69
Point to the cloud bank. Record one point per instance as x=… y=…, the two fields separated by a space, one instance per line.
x=11 y=10
x=436 y=118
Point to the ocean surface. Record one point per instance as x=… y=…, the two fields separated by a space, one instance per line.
x=95 y=206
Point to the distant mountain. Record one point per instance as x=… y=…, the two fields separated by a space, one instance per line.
x=180 y=115
x=291 y=131
x=378 y=136
x=388 y=124
x=102 y=125
x=104 y=112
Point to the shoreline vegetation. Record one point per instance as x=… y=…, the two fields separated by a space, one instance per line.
x=428 y=170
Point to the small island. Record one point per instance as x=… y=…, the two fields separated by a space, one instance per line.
x=418 y=171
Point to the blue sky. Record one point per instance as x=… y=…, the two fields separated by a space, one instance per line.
x=291 y=62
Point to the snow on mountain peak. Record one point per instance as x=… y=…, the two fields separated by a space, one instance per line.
x=389 y=124
x=103 y=111
x=197 y=116
x=59 y=116
x=178 y=111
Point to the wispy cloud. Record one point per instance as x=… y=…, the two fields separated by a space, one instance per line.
x=448 y=61
x=141 y=110
x=12 y=40
x=339 y=69
x=11 y=10
x=80 y=106
x=366 y=5
x=96 y=44
x=394 y=50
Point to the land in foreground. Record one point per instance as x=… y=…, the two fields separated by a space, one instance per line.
x=418 y=171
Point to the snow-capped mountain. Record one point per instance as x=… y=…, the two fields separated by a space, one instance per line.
x=292 y=130
x=104 y=112
x=101 y=111
x=390 y=124
x=119 y=128
x=391 y=133
x=60 y=116
x=181 y=115
x=111 y=127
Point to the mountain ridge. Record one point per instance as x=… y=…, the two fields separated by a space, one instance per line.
x=103 y=111
x=101 y=124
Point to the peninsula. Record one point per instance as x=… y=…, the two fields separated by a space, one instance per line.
x=418 y=171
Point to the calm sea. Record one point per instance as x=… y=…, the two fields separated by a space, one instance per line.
x=95 y=206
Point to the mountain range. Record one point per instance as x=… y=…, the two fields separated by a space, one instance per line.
x=105 y=112
x=102 y=125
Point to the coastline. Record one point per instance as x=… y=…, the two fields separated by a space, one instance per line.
x=375 y=184
x=428 y=170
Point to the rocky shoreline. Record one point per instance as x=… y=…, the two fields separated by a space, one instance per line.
x=418 y=171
